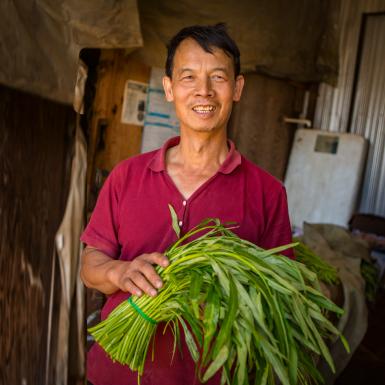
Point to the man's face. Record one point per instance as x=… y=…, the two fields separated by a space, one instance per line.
x=202 y=87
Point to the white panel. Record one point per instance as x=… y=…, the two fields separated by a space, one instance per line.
x=322 y=187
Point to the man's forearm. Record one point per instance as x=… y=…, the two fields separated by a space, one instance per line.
x=100 y=272
x=95 y=270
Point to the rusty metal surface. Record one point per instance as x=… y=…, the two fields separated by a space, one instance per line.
x=35 y=147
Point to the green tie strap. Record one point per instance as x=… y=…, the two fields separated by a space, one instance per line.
x=140 y=311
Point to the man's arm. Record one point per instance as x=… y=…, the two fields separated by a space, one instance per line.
x=101 y=272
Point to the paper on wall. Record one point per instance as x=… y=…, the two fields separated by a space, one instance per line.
x=134 y=102
x=160 y=122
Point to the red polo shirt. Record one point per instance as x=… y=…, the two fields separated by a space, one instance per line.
x=131 y=217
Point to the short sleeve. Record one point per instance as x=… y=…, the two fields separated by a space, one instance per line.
x=102 y=229
x=277 y=230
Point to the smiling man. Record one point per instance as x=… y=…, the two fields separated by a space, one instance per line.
x=201 y=175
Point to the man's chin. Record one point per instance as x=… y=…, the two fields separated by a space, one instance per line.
x=205 y=128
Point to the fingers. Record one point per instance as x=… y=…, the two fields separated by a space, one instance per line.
x=130 y=287
x=151 y=276
x=155 y=258
x=141 y=276
x=140 y=284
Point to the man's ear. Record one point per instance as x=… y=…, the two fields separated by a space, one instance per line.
x=239 y=83
x=167 y=86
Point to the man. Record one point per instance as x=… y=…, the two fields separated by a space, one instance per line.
x=200 y=174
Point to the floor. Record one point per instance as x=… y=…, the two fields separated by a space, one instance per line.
x=367 y=366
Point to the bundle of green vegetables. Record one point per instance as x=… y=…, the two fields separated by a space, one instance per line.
x=250 y=312
x=325 y=272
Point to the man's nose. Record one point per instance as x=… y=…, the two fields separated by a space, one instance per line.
x=204 y=87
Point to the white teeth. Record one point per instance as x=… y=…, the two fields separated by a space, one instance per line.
x=203 y=108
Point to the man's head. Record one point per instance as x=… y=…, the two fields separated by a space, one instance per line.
x=203 y=78
x=208 y=37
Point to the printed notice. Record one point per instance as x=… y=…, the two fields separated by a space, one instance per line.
x=161 y=122
x=134 y=102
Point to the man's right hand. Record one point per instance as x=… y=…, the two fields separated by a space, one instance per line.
x=101 y=272
x=139 y=275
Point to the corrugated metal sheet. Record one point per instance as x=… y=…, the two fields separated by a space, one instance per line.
x=368 y=117
x=334 y=104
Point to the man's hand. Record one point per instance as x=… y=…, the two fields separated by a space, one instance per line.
x=101 y=272
x=139 y=275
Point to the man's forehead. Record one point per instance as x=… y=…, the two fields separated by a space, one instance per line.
x=189 y=55
x=189 y=44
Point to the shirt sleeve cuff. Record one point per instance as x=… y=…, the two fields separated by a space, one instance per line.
x=100 y=244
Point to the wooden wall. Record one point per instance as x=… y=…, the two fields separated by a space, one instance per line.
x=110 y=140
x=36 y=138
x=257 y=126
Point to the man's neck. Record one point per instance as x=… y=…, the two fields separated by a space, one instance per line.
x=199 y=152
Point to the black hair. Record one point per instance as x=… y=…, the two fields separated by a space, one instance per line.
x=208 y=37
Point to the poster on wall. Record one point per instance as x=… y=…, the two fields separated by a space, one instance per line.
x=160 y=122
x=134 y=103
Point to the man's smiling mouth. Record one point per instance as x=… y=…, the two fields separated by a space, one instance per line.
x=204 y=109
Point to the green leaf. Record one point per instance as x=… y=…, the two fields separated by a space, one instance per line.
x=317 y=297
x=195 y=291
x=242 y=354
x=210 y=320
x=262 y=378
x=193 y=323
x=221 y=275
x=345 y=343
x=175 y=222
x=276 y=362
x=217 y=363
x=324 y=349
x=293 y=359
x=192 y=347
x=307 y=367
x=225 y=332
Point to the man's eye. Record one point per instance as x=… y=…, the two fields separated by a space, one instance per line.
x=187 y=77
x=218 y=77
